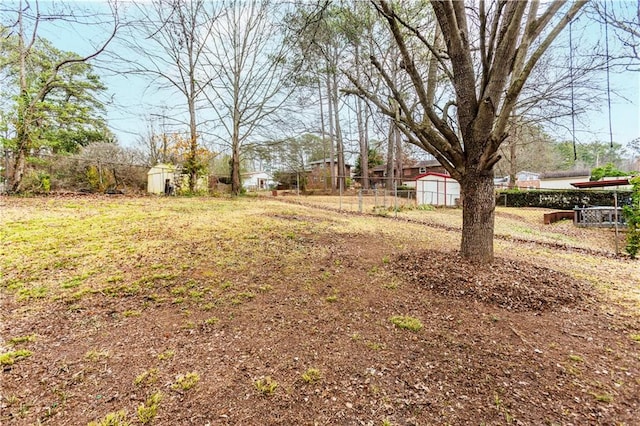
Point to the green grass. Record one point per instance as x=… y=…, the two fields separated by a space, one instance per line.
x=148 y=410
x=185 y=382
x=312 y=375
x=21 y=339
x=10 y=358
x=112 y=419
x=266 y=386
x=406 y=322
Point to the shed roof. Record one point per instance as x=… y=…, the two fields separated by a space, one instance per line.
x=441 y=175
x=157 y=167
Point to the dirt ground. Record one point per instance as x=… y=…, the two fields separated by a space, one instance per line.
x=255 y=294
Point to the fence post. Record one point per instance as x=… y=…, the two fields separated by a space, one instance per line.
x=360 y=200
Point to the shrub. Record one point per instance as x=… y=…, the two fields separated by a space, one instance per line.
x=632 y=215
x=564 y=200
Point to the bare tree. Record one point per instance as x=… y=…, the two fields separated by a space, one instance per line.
x=172 y=51
x=489 y=52
x=623 y=18
x=28 y=19
x=248 y=83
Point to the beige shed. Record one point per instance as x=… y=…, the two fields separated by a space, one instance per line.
x=161 y=179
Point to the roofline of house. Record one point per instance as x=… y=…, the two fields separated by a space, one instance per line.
x=601 y=183
x=565 y=174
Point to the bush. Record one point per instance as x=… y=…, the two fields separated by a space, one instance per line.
x=36 y=182
x=632 y=215
x=562 y=200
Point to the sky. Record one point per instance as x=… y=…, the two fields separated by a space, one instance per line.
x=131 y=100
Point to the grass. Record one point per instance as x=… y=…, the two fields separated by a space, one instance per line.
x=10 y=358
x=266 y=385
x=148 y=410
x=406 y=322
x=146 y=377
x=312 y=375
x=95 y=355
x=141 y=255
x=112 y=419
x=166 y=355
x=21 y=339
x=187 y=381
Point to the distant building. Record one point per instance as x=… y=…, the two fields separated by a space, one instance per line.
x=161 y=179
x=410 y=171
x=257 y=181
x=169 y=179
x=437 y=189
x=563 y=179
x=318 y=173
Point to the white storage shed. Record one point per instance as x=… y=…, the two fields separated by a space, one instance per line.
x=437 y=189
x=160 y=178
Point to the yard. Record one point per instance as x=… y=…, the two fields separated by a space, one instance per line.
x=286 y=310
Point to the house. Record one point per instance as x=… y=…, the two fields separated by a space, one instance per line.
x=410 y=171
x=528 y=180
x=257 y=181
x=437 y=189
x=563 y=179
x=318 y=173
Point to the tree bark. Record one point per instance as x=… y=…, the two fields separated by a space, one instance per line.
x=478 y=216
x=332 y=167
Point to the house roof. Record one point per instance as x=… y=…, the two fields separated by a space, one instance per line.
x=441 y=175
x=565 y=174
x=601 y=183
x=415 y=165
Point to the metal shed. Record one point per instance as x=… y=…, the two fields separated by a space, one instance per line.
x=161 y=178
x=437 y=189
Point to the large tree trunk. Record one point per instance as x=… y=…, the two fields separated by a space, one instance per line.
x=478 y=202
x=18 y=169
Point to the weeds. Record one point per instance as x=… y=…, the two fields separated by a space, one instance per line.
x=148 y=410
x=186 y=381
x=603 y=397
x=112 y=419
x=312 y=375
x=95 y=355
x=266 y=386
x=166 y=355
x=150 y=376
x=406 y=322
x=22 y=339
x=10 y=358
x=212 y=321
